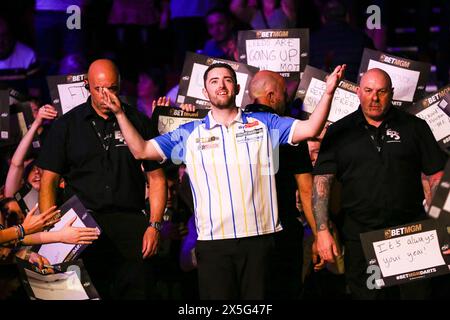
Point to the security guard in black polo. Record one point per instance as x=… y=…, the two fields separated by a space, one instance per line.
x=378 y=154
x=87 y=149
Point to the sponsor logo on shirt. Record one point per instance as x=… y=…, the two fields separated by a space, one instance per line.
x=206 y=139
x=251 y=124
x=250 y=135
x=119 y=136
x=208 y=146
x=393 y=135
x=204 y=143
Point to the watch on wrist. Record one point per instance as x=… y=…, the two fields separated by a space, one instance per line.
x=156 y=225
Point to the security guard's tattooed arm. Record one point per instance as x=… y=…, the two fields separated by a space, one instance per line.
x=321 y=196
x=434 y=180
x=326 y=246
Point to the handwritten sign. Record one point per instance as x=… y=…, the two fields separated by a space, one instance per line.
x=312 y=87
x=281 y=55
x=407 y=252
x=167 y=124
x=67 y=91
x=283 y=51
x=438 y=121
x=168 y=118
x=72 y=95
x=430 y=109
x=404 y=81
x=191 y=83
x=408 y=77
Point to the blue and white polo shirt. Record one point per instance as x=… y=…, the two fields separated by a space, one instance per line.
x=231 y=171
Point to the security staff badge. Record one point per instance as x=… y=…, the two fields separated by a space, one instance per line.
x=119 y=139
x=392 y=136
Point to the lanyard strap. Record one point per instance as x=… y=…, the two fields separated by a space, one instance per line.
x=104 y=140
x=378 y=143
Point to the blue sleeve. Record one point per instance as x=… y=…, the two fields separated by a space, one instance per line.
x=280 y=127
x=172 y=145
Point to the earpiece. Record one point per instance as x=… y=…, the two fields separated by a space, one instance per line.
x=86 y=86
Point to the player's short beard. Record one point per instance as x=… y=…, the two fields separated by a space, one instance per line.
x=231 y=103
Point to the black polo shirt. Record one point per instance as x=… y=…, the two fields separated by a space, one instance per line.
x=292 y=160
x=92 y=156
x=379 y=168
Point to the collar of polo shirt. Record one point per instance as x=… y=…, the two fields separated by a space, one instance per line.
x=211 y=122
x=361 y=120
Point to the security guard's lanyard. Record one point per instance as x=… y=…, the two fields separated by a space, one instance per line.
x=104 y=140
x=377 y=142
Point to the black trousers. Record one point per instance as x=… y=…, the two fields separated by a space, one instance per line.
x=234 y=268
x=287 y=263
x=114 y=261
x=356 y=275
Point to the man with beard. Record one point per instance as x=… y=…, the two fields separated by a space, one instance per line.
x=231 y=160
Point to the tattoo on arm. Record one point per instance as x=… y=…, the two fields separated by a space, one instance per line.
x=434 y=180
x=321 y=196
x=433 y=186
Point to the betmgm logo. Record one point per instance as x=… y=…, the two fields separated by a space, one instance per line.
x=272 y=34
x=389 y=233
